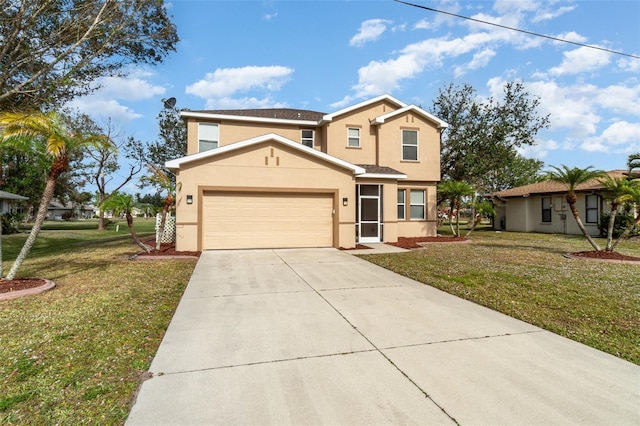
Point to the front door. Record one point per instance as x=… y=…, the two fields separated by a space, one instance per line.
x=369 y=213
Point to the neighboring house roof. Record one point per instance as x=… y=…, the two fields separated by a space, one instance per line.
x=176 y=164
x=380 y=120
x=371 y=170
x=550 y=187
x=4 y=195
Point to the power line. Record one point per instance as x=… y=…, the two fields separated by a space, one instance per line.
x=519 y=30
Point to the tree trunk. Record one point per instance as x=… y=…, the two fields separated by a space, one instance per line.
x=451 y=221
x=612 y=221
x=576 y=216
x=47 y=195
x=163 y=220
x=135 y=237
x=627 y=231
x=476 y=221
x=1 y=270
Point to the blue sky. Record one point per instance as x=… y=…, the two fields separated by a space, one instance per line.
x=326 y=55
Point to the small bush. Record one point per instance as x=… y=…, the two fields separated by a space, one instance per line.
x=623 y=220
x=11 y=222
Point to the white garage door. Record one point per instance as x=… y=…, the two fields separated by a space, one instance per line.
x=266 y=220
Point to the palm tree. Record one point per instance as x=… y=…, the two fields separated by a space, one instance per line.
x=163 y=180
x=45 y=134
x=633 y=197
x=123 y=203
x=572 y=178
x=454 y=192
x=621 y=190
x=481 y=208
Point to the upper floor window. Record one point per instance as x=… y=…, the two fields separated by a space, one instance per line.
x=402 y=203
x=592 y=202
x=546 y=209
x=207 y=136
x=353 y=137
x=410 y=145
x=307 y=138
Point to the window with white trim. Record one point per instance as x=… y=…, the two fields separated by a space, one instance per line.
x=592 y=206
x=307 y=138
x=402 y=204
x=409 y=145
x=546 y=209
x=207 y=136
x=418 y=206
x=353 y=137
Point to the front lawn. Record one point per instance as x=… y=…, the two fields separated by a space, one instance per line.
x=526 y=276
x=76 y=354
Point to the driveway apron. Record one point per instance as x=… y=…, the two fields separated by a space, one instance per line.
x=318 y=336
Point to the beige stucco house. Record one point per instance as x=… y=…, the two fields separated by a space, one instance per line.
x=542 y=207
x=268 y=178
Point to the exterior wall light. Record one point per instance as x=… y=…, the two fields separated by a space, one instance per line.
x=189 y=199
x=345 y=201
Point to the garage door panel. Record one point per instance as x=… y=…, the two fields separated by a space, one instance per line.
x=255 y=220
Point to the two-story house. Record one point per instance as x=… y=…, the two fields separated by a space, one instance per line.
x=267 y=178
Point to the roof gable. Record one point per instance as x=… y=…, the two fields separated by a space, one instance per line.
x=417 y=110
x=330 y=117
x=212 y=153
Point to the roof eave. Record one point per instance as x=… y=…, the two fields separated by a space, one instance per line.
x=228 y=117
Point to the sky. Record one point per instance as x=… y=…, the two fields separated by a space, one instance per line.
x=330 y=54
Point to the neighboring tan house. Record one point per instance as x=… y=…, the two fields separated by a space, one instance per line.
x=266 y=178
x=9 y=202
x=542 y=207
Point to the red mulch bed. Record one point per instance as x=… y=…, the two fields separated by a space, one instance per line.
x=411 y=243
x=606 y=255
x=19 y=284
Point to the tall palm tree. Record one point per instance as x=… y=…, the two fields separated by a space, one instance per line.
x=572 y=178
x=620 y=190
x=45 y=134
x=123 y=203
x=455 y=192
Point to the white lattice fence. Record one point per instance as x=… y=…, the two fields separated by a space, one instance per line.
x=169 y=234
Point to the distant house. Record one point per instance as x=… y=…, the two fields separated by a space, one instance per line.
x=542 y=207
x=59 y=210
x=10 y=203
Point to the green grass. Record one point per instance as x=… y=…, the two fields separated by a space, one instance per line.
x=526 y=276
x=76 y=354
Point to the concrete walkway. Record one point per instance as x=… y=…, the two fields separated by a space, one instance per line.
x=317 y=336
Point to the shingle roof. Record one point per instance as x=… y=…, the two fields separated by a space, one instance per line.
x=382 y=170
x=279 y=113
x=4 y=195
x=549 y=187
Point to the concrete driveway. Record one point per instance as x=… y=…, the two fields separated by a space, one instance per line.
x=318 y=336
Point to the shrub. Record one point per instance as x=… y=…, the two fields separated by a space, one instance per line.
x=623 y=220
x=11 y=222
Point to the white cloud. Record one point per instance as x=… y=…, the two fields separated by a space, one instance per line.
x=269 y=16
x=620 y=99
x=370 y=30
x=97 y=107
x=220 y=87
x=619 y=137
x=551 y=12
x=581 y=60
x=106 y=101
x=629 y=64
x=540 y=150
x=423 y=24
x=480 y=60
